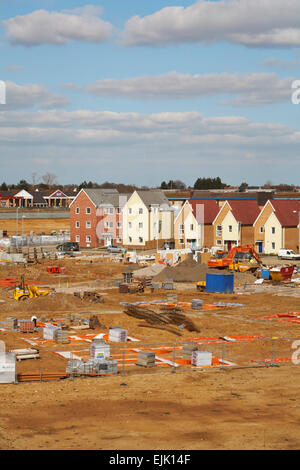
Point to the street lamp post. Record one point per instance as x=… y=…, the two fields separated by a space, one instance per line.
x=17 y=220
x=23 y=217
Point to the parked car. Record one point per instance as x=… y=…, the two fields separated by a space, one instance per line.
x=288 y=254
x=68 y=247
x=115 y=249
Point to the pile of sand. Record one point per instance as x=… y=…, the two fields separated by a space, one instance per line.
x=191 y=271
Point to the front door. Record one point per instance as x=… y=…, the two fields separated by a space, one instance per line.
x=260 y=247
x=229 y=245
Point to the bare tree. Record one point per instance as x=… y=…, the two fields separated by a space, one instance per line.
x=33 y=178
x=49 y=178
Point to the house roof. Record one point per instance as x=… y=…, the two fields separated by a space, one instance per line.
x=38 y=197
x=102 y=196
x=287 y=212
x=245 y=212
x=153 y=197
x=211 y=209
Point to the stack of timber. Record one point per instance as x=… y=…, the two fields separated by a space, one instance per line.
x=162 y=319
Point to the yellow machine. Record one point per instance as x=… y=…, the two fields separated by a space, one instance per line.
x=201 y=286
x=23 y=292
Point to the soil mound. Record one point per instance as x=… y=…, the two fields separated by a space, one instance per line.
x=191 y=271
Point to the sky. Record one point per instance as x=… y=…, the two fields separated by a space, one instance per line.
x=139 y=92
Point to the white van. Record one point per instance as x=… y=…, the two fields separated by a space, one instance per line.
x=288 y=254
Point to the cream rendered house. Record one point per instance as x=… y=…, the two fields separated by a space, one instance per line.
x=277 y=226
x=148 y=220
x=233 y=224
x=187 y=231
x=193 y=224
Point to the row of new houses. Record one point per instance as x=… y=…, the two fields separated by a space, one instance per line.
x=148 y=220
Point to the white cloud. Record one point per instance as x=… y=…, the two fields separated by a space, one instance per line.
x=31 y=95
x=249 y=90
x=105 y=144
x=44 y=27
x=281 y=63
x=253 y=23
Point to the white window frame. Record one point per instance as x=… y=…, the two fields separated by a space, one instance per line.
x=140 y=210
x=77 y=238
x=129 y=225
x=77 y=224
x=219 y=230
x=219 y=242
x=230 y=228
x=119 y=225
x=77 y=210
x=140 y=224
x=88 y=224
x=192 y=227
x=181 y=229
x=88 y=210
x=181 y=241
x=88 y=239
x=273 y=246
x=273 y=230
x=130 y=239
x=141 y=240
x=129 y=210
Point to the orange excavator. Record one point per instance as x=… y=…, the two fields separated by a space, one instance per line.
x=239 y=258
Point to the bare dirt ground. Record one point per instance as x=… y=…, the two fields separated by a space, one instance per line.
x=242 y=408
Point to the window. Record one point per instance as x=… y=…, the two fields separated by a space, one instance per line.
x=119 y=240
x=219 y=230
x=109 y=210
x=77 y=224
x=88 y=238
x=77 y=210
x=140 y=239
x=130 y=239
x=88 y=224
x=192 y=227
x=77 y=238
x=273 y=230
x=230 y=228
x=140 y=210
x=119 y=225
x=219 y=242
x=129 y=225
x=140 y=224
x=181 y=229
x=88 y=210
x=118 y=210
x=129 y=210
x=273 y=246
x=181 y=241
x=261 y=230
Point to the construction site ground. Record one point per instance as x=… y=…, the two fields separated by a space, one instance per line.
x=187 y=408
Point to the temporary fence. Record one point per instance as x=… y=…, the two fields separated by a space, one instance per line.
x=25 y=240
x=188 y=354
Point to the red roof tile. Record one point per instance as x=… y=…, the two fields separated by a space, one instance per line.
x=211 y=209
x=287 y=212
x=245 y=211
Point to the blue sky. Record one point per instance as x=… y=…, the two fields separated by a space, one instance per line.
x=136 y=92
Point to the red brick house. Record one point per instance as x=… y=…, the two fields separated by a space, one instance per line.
x=96 y=217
